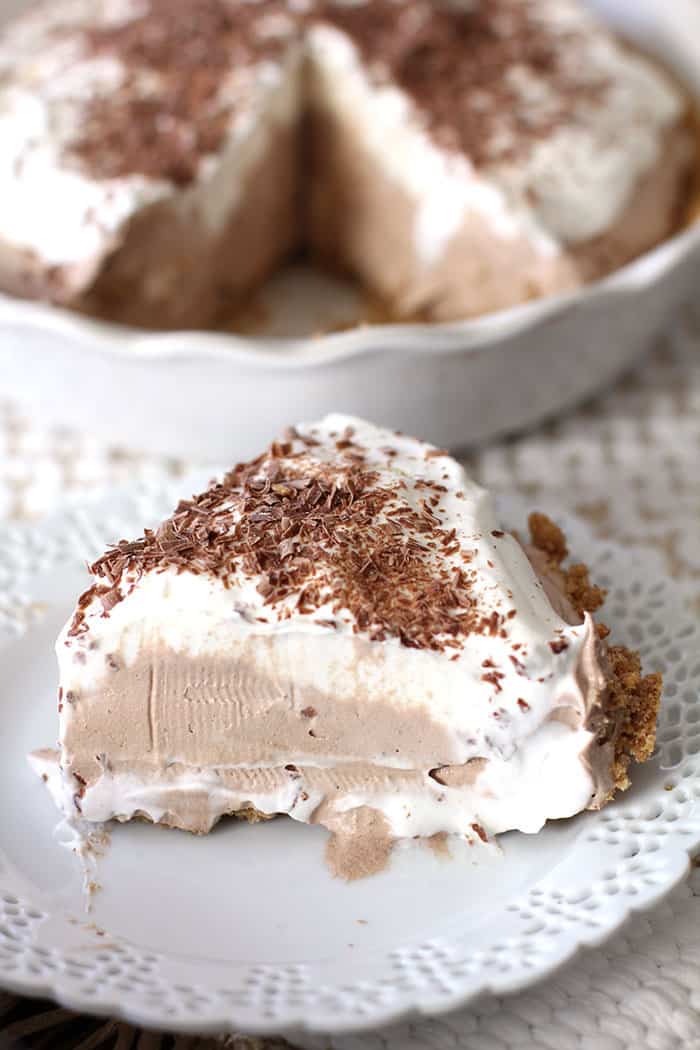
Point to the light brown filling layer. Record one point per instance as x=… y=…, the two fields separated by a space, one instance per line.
x=217 y=711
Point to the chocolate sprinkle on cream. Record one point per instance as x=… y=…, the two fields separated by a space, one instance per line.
x=315 y=533
x=190 y=46
x=456 y=61
x=480 y=832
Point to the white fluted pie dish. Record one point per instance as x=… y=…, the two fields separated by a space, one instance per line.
x=200 y=394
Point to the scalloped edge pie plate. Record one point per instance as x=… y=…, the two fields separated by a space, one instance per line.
x=245 y=929
x=217 y=391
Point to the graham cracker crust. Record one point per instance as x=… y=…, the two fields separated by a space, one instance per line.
x=632 y=700
x=249 y=813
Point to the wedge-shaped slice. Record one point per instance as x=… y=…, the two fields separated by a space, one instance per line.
x=341 y=631
x=151 y=158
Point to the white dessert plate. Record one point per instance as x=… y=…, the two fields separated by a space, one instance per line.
x=245 y=929
x=460 y=383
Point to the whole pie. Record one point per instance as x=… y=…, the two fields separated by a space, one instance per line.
x=160 y=158
x=341 y=631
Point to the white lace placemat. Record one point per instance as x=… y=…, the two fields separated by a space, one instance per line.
x=630 y=464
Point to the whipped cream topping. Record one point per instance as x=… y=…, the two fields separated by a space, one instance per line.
x=338 y=626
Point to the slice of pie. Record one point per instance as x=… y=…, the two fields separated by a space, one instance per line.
x=151 y=154
x=341 y=631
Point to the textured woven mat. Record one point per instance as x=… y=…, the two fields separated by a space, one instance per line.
x=629 y=463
